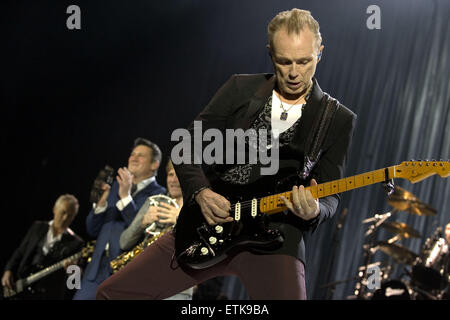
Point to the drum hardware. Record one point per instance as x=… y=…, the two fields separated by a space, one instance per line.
x=392 y=290
x=360 y=291
x=400 y=200
x=416 y=291
x=402 y=230
x=404 y=200
x=369 y=250
x=384 y=271
x=435 y=253
x=429 y=275
x=379 y=219
x=395 y=238
x=428 y=279
x=361 y=269
x=437 y=234
x=399 y=253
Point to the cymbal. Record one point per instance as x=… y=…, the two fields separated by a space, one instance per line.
x=404 y=200
x=401 y=228
x=399 y=253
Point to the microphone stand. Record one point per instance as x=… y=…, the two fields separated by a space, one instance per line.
x=335 y=242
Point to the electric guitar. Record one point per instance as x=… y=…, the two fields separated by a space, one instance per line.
x=199 y=245
x=22 y=284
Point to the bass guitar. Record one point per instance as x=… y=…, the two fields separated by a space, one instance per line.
x=199 y=245
x=22 y=284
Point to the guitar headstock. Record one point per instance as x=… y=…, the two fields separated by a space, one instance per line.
x=416 y=171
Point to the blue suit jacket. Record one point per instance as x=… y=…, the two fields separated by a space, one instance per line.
x=107 y=226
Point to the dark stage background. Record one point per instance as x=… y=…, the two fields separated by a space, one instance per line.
x=73 y=101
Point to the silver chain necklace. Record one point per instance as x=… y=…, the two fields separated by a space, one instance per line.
x=284 y=114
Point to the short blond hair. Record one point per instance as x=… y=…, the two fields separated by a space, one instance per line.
x=70 y=200
x=294 y=20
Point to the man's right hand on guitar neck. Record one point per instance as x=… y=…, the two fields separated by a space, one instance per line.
x=215 y=208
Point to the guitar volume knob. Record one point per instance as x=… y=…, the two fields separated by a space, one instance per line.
x=204 y=251
x=212 y=240
x=219 y=229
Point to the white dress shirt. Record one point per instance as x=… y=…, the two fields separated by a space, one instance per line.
x=122 y=203
x=50 y=239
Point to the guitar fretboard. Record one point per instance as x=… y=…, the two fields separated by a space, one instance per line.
x=44 y=272
x=274 y=203
x=414 y=171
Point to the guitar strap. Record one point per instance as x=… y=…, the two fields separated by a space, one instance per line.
x=314 y=142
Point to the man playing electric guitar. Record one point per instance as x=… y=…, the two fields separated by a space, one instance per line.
x=269 y=259
x=45 y=244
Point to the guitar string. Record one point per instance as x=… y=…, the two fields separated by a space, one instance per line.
x=248 y=203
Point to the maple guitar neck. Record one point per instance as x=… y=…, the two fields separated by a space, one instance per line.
x=21 y=284
x=414 y=171
x=45 y=272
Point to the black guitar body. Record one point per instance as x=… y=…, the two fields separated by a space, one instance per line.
x=199 y=245
x=39 y=290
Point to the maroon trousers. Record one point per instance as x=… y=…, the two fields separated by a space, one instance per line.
x=150 y=275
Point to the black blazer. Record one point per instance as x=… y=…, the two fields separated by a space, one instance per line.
x=21 y=260
x=237 y=104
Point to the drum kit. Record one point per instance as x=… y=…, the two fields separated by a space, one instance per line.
x=427 y=272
